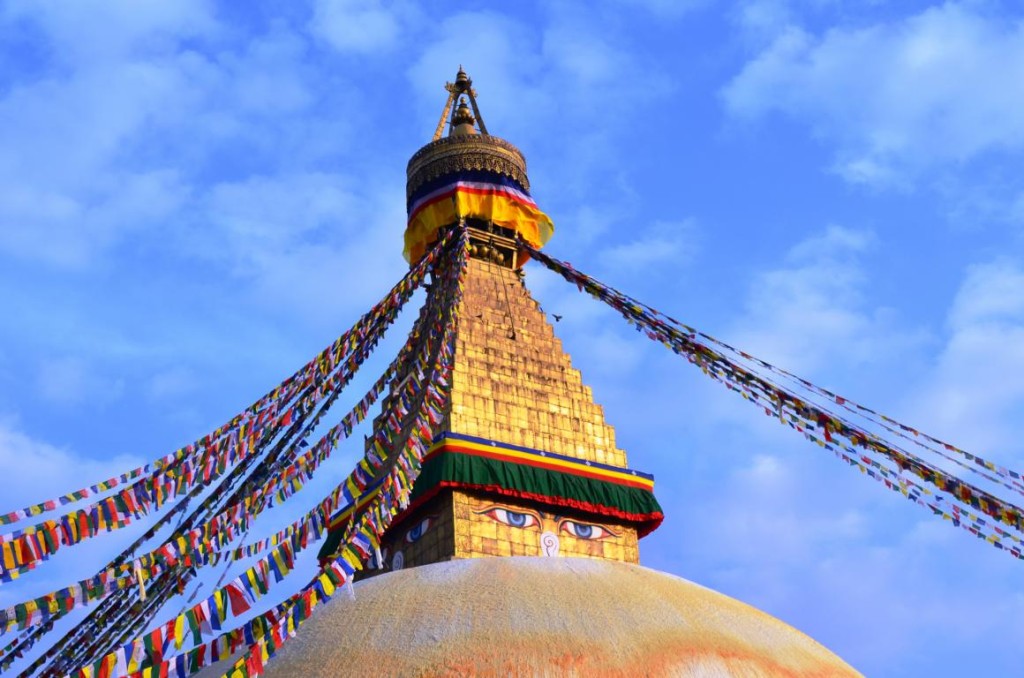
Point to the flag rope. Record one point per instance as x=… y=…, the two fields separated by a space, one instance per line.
x=955 y=499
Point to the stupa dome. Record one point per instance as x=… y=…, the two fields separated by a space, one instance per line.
x=545 y=617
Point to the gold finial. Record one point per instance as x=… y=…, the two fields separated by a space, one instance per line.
x=463 y=120
x=463 y=85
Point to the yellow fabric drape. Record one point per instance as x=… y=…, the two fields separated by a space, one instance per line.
x=530 y=223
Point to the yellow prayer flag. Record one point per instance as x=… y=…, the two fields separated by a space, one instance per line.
x=328 y=585
x=179 y=632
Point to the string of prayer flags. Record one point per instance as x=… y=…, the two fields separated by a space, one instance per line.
x=805 y=416
x=202 y=545
x=320 y=365
x=239 y=595
x=20 y=550
x=360 y=480
x=324 y=364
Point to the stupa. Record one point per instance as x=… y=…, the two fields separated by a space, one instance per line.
x=518 y=553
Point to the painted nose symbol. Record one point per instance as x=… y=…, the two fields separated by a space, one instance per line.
x=549 y=544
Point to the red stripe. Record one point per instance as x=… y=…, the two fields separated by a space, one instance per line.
x=465 y=189
x=432 y=201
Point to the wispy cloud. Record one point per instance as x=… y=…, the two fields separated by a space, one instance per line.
x=73 y=381
x=812 y=310
x=662 y=244
x=361 y=27
x=67 y=191
x=898 y=97
x=46 y=470
x=973 y=395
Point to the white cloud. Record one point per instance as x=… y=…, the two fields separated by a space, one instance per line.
x=667 y=9
x=263 y=213
x=973 y=396
x=812 y=311
x=762 y=515
x=44 y=470
x=95 y=30
x=992 y=294
x=172 y=383
x=935 y=89
x=73 y=381
x=359 y=26
x=66 y=191
x=762 y=19
x=299 y=239
x=97 y=149
x=661 y=244
x=534 y=85
x=61 y=196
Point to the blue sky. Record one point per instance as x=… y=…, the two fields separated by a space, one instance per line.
x=194 y=198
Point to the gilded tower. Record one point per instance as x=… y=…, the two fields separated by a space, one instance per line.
x=525 y=463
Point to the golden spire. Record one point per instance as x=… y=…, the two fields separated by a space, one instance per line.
x=461 y=79
x=468 y=146
x=463 y=85
x=462 y=121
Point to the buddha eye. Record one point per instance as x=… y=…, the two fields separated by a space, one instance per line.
x=511 y=518
x=586 y=530
x=417 y=531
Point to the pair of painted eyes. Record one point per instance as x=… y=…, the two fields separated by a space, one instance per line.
x=419 y=529
x=525 y=520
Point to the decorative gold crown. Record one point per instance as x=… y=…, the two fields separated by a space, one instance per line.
x=450 y=155
x=464 y=149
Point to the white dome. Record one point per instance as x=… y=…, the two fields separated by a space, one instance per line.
x=545 y=617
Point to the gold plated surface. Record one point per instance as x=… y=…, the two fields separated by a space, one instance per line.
x=449 y=155
x=513 y=383
x=463 y=120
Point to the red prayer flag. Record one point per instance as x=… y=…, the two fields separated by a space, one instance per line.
x=237 y=598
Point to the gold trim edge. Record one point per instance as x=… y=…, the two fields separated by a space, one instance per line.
x=453 y=154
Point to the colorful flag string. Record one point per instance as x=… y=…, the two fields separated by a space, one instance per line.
x=202 y=545
x=428 y=391
x=321 y=364
x=20 y=550
x=326 y=362
x=955 y=499
x=110 y=639
x=363 y=536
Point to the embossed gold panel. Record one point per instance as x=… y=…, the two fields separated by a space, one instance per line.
x=512 y=381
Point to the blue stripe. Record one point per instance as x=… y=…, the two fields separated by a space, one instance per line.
x=466 y=175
